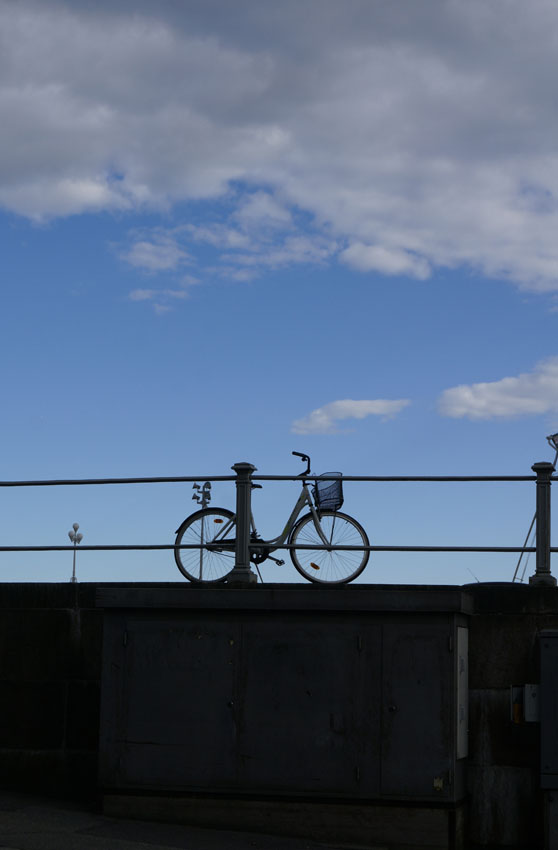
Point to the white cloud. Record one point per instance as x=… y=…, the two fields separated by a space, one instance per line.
x=161 y=299
x=260 y=209
x=288 y=251
x=385 y=260
x=218 y=235
x=160 y=254
x=527 y=394
x=161 y=309
x=67 y=195
x=262 y=235
x=324 y=419
x=190 y=280
x=407 y=136
x=142 y=294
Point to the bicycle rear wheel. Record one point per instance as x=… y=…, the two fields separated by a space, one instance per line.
x=211 y=526
x=338 y=566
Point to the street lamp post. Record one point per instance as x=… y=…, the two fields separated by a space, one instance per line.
x=75 y=538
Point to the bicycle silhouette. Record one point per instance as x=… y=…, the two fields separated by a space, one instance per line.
x=213 y=530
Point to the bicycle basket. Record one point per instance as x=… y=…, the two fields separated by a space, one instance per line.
x=328 y=495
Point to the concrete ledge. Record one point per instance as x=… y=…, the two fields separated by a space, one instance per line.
x=415 y=599
x=367 y=825
x=506 y=597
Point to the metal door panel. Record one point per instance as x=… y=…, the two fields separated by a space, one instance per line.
x=174 y=724
x=308 y=719
x=417 y=714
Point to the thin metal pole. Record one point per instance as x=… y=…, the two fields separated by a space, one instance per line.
x=524 y=548
x=74 y=579
x=543 y=574
x=242 y=574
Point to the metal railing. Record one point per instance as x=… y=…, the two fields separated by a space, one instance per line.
x=243 y=478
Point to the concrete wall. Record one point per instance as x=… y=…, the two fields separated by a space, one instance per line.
x=50 y=666
x=50 y=660
x=506 y=804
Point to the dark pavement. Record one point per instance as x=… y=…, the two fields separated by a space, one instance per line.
x=38 y=823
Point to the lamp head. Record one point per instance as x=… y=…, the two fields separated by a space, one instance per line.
x=553 y=441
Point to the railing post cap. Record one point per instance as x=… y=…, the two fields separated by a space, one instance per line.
x=543 y=466
x=243 y=466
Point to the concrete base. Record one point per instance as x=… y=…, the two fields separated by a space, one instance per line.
x=543 y=580
x=241 y=578
x=396 y=827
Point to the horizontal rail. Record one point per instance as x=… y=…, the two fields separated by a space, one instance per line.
x=178 y=479
x=66 y=482
x=413 y=548
x=396 y=478
x=169 y=546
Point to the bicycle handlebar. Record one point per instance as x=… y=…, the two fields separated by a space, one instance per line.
x=303 y=457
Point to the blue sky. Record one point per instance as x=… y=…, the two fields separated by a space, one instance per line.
x=233 y=230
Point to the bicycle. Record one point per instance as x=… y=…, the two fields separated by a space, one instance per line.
x=213 y=531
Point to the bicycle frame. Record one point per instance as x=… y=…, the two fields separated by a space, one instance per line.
x=312 y=533
x=275 y=543
x=304 y=499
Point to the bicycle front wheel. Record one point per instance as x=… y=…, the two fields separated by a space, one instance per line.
x=337 y=566
x=213 y=527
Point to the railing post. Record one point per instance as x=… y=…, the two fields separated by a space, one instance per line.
x=543 y=575
x=242 y=574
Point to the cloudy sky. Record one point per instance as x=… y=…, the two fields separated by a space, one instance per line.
x=230 y=230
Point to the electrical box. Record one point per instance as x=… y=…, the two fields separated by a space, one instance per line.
x=524 y=703
x=347 y=693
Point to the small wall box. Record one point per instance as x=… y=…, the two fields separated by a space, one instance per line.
x=524 y=703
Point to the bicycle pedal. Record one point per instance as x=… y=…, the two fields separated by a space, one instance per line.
x=314 y=566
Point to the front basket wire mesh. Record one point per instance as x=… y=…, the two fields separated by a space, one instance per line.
x=328 y=495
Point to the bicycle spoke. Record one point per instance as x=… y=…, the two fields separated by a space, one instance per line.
x=203 y=528
x=335 y=566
